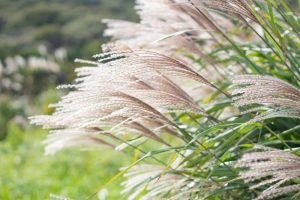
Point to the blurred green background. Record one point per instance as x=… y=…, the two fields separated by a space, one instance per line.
x=39 y=41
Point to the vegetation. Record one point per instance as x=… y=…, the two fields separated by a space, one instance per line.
x=27 y=174
x=214 y=85
x=200 y=100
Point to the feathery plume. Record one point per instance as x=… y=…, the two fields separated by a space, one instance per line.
x=161 y=19
x=122 y=92
x=273 y=168
x=258 y=93
x=241 y=8
x=63 y=139
x=159 y=182
x=171 y=27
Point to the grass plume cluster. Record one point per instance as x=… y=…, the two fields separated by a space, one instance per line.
x=188 y=92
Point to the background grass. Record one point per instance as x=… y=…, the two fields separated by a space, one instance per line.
x=25 y=172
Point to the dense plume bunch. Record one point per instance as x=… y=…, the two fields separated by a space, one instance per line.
x=132 y=98
x=240 y=8
x=159 y=181
x=263 y=93
x=172 y=27
x=273 y=168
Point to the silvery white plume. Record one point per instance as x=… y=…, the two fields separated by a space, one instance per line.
x=241 y=8
x=275 y=169
x=172 y=27
x=270 y=96
x=63 y=139
x=120 y=93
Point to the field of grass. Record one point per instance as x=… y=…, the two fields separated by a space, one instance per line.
x=26 y=173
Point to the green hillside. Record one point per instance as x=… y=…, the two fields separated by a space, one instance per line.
x=73 y=24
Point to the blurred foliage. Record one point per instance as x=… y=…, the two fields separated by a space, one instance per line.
x=7 y=112
x=72 y=24
x=36 y=32
x=27 y=174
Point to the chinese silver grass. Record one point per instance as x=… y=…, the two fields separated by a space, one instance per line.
x=63 y=139
x=155 y=61
x=158 y=182
x=166 y=40
x=271 y=96
x=275 y=169
x=118 y=114
x=171 y=27
x=123 y=92
x=241 y=8
x=181 y=12
x=128 y=93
